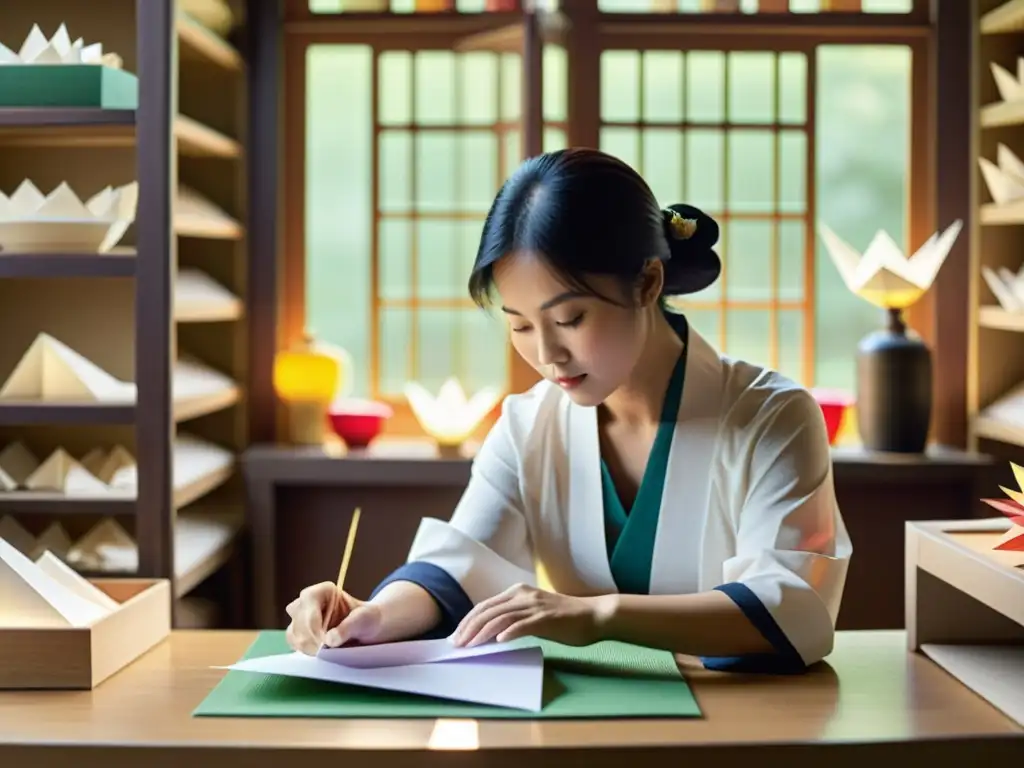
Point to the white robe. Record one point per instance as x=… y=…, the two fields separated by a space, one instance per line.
x=748 y=498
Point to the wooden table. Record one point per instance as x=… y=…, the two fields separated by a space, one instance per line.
x=873 y=699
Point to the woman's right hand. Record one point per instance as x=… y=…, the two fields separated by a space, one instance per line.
x=322 y=615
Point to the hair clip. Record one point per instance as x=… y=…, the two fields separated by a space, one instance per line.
x=682 y=229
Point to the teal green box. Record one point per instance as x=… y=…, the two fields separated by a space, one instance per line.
x=67 y=85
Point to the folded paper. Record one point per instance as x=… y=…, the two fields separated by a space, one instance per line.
x=1010 y=85
x=1006 y=287
x=883 y=275
x=61 y=473
x=1005 y=177
x=450 y=418
x=413 y=652
x=51 y=371
x=17 y=463
x=31 y=222
x=1013 y=508
x=195 y=292
x=59 y=49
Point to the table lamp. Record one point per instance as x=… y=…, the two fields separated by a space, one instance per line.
x=450 y=418
x=306 y=378
x=894 y=365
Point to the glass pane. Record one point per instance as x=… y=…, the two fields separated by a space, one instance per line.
x=751 y=87
x=394 y=88
x=468 y=242
x=863 y=95
x=791 y=260
x=751 y=171
x=395 y=148
x=395 y=334
x=436 y=171
x=888 y=6
x=791 y=344
x=792 y=171
x=705 y=163
x=511 y=86
x=623 y=143
x=792 y=88
x=620 y=85
x=478 y=166
x=663 y=164
x=748 y=335
x=395 y=249
x=434 y=87
x=746 y=246
x=513 y=151
x=485 y=341
x=478 y=97
x=707 y=323
x=440 y=339
x=705 y=87
x=554 y=138
x=663 y=86
x=439 y=273
x=556 y=82
x=339 y=206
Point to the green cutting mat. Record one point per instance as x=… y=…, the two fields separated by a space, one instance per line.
x=606 y=680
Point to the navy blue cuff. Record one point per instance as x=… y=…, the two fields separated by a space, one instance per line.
x=785 y=660
x=449 y=595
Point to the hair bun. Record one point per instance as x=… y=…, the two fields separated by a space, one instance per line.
x=691 y=236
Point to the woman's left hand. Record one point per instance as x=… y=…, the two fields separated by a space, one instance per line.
x=523 y=610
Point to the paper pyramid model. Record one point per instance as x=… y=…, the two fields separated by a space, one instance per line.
x=59 y=49
x=87 y=552
x=51 y=371
x=15 y=535
x=34 y=597
x=104 y=465
x=54 y=540
x=60 y=473
x=1009 y=85
x=17 y=463
x=1005 y=177
x=883 y=275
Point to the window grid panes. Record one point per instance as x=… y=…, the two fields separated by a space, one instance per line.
x=727 y=132
x=755 y=6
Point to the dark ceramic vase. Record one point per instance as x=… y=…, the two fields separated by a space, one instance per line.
x=894 y=389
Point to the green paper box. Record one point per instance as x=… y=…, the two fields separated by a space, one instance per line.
x=67 y=85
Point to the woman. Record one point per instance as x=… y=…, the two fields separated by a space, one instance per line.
x=676 y=498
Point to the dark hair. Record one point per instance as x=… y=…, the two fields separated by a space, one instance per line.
x=585 y=212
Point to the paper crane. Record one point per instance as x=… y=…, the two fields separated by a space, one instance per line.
x=1013 y=508
x=883 y=275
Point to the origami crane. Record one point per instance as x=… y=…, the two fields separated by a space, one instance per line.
x=1013 y=508
x=883 y=275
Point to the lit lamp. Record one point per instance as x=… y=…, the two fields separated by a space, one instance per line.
x=450 y=419
x=306 y=379
x=894 y=366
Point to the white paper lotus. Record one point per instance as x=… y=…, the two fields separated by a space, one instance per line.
x=450 y=418
x=883 y=275
x=60 y=222
x=1005 y=177
x=59 y=49
x=1010 y=86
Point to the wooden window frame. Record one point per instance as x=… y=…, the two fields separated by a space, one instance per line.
x=937 y=317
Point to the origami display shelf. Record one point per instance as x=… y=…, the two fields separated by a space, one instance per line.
x=965 y=606
x=184 y=146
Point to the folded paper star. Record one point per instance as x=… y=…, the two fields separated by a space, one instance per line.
x=59 y=49
x=1013 y=508
x=883 y=275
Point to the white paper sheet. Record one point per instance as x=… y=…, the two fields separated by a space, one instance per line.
x=412 y=652
x=513 y=679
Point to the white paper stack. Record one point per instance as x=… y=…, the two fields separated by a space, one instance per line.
x=498 y=674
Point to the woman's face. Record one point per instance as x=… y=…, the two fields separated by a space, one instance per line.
x=583 y=344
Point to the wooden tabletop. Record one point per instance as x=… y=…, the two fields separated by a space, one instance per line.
x=873 y=698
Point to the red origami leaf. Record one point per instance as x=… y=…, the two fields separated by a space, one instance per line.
x=1008 y=507
x=1016 y=544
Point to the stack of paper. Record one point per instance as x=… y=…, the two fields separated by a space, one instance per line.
x=47 y=593
x=499 y=674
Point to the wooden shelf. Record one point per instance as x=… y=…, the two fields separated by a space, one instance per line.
x=198 y=44
x=120 y=263
x=39 y=503
x=999 y=319
x=1010 y=213
x=25 y=413
x=1002 y=114
x=186 y=408
x=207 y=228
x=1008 y=17
x=993 y=429
x=198 y=140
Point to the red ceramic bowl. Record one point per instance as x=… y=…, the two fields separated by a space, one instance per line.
x=358 y=422
x=834 y=404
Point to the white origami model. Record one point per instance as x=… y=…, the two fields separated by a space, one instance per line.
x=51 y=371
x=1005 y=177
x=450 y=418
x=1010 y=86
x=17 y=463
x=107 y=466
x=107 y=535
x=46 y=593
x=60 y=473
x=192 y=379
x=54 y=540
x=31 y=222
x=194 y=212
x=1007 y=287
x=883 y=275
x=198 y=294
x=59 y=49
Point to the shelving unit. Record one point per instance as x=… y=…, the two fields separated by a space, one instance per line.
x=165 y=310
x=996 y=365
